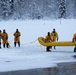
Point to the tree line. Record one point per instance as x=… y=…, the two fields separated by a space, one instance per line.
x=37 y=9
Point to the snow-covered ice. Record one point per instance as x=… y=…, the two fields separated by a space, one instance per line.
x=31 y=54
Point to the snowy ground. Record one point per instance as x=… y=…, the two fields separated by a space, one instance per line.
x=31 y=54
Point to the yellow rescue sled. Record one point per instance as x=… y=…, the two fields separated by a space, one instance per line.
x=61 y=43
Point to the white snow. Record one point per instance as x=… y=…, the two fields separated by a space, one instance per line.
x=31 y=54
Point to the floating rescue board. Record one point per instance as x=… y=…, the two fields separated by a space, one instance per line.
x=61 y=43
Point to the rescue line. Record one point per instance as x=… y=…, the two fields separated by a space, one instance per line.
x=61 y=43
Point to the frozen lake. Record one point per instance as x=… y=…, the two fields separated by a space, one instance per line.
x=61 y=69
x=31 y=54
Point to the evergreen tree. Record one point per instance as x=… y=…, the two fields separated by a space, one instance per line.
x=11 y=5
x=3 y=6
x=37 y=9
x=7 y=7
x=62 y=9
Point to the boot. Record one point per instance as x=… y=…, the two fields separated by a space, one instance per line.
x=47 y=49
x=14 y=44
x=0 y=47
x=0 y=44
x=54 y=47
x=50 y=47
x=19 y=44
x=7 y=45
x=4 y=45
x=75 y=49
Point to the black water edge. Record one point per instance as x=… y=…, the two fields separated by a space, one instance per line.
x=61 y=69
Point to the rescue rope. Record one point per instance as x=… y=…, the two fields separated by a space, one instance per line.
x=32 y=43
x=29 y=43
x=38 y=45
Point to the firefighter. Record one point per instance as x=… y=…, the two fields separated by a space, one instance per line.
x=47 y=40
x=17 y=35
x=5 y=39
x=0 y=37
x=54 y=36
x=74 y=40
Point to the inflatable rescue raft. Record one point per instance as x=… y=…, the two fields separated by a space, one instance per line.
x=61 y=43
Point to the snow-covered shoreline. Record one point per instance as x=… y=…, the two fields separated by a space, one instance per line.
x=32 y=55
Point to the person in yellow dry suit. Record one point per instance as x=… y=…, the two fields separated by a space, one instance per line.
x=47 y=40
x=17 y=35
x=74 y=40
x=54 y=36
x=0 y=37
x=5 y=39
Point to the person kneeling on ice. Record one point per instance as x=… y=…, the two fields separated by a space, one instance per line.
x=74 y=40
x=5 y=39
x=47 y=40
x=17 y=35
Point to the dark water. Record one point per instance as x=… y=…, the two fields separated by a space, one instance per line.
x=61 y=69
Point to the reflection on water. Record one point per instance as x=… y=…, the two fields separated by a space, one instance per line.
x=61 y=69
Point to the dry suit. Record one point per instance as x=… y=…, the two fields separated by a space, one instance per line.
x=74 y=40
x=5 y=39
x=0 y=38
x=47 y=40
x=17 y=35
x=54 y=36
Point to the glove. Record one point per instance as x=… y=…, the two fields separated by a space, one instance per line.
x=57 y=39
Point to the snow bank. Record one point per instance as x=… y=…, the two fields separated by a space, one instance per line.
x=31 y=55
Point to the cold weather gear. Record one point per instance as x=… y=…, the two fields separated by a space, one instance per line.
x=0 y=38
x=54 y=36
x=5 y=38
x=74 y=40
x=16 y=43
x=74 y=37
x=17 y=35
x=47 y=40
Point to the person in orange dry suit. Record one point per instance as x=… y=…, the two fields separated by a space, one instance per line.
x=47 y=40
x=5 y=39
x=17 y=35
x=0 y=37
x=74 y=40
x=54 y=36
